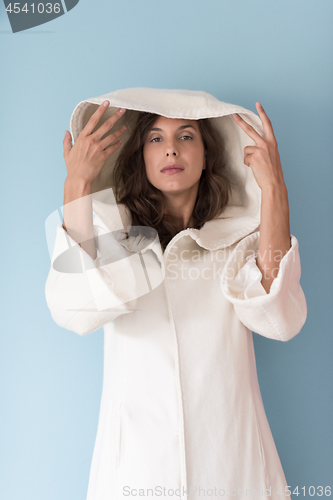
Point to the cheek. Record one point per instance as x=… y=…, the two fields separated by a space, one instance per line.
x=198 y=157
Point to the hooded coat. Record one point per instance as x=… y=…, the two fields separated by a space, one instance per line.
x=181 y=412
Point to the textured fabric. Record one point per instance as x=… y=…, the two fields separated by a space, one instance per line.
x=278 y=315
x=181 y=407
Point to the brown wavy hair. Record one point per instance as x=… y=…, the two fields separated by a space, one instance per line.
x=146 y=203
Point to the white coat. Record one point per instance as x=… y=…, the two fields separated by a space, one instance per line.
x=181 y=413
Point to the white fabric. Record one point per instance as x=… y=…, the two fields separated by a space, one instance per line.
x=247 y=283
x=181 y=407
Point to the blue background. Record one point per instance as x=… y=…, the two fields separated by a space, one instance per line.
x=240 y=51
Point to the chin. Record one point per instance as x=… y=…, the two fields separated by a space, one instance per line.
x=173 y=185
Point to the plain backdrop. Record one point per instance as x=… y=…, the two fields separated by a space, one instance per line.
x=240 y=51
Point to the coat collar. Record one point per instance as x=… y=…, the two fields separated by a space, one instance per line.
x=215 y=234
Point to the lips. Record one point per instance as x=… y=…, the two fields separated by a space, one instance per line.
x=172 y=168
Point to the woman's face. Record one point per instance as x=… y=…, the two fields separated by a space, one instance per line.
x=174 y=142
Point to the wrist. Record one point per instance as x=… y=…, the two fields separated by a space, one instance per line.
x=275 y=194
x=76 y=187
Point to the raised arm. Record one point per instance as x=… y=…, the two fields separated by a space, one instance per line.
x=88 y=286
x=84 y=161
x=262 y=275
x=264 y=160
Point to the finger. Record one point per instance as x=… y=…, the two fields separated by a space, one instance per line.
x=112 y=137
x=248 y=129
x=247 y=160
x=266 y=123
x=111 y=149
x=249 y=150
x=67 y=143
x=108 y=124
x=95 y=117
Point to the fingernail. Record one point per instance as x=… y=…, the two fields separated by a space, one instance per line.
x=258 y=104
x=234 y=114
x=106 y=103
x=122 y=110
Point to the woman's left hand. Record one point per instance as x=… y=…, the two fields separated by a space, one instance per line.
x=263 y=158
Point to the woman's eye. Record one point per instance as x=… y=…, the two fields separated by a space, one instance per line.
x=157 y=139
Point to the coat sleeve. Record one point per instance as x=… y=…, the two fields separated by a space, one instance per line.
x=279 y=314
x=83 y=294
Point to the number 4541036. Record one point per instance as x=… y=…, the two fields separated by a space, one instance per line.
x=306 y=492
x=41 y=8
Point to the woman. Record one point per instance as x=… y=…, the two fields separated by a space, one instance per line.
x=176 y=271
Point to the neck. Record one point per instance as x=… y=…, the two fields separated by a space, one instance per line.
x=181 y=205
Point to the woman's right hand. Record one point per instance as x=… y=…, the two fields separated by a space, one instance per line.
x=85 y=159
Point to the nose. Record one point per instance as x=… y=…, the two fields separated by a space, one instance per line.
x=171 y=149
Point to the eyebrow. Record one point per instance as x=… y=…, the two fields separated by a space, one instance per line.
x=180 y=128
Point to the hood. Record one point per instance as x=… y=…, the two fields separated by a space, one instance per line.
x=242 y=214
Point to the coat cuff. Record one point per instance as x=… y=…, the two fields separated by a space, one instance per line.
x=247 y=282
x=279 y=314
x=84 y=293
